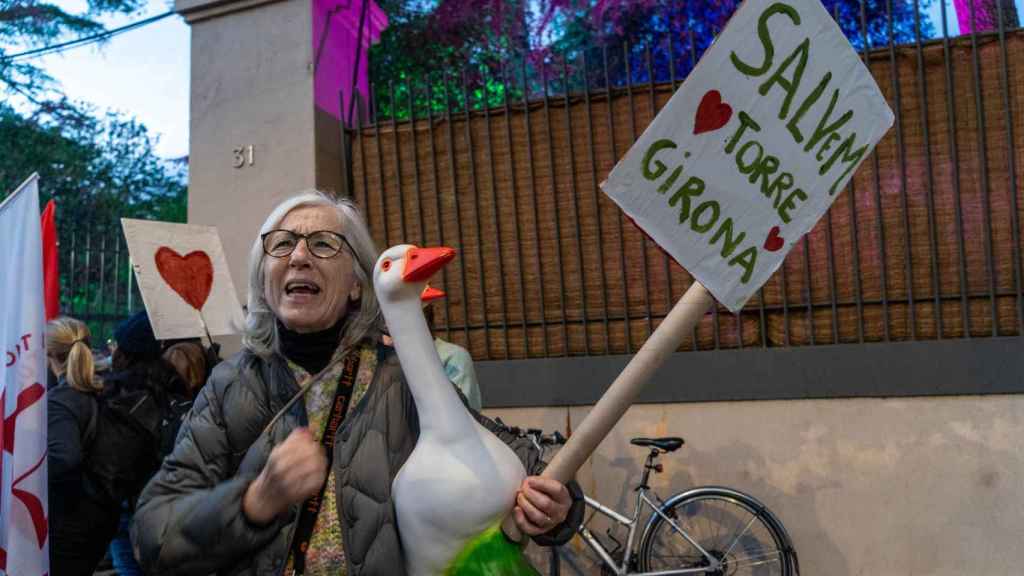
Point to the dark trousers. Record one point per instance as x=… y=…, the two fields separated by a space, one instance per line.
x=80 y=532
x=121 y=553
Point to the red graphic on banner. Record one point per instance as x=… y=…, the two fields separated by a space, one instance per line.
x=32 y=503
x=712 y=113
x=774 y=242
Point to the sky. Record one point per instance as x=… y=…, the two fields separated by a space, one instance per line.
x=145 y=72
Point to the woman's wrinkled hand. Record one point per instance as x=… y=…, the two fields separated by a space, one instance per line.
x=541 y=504
x=295 y=471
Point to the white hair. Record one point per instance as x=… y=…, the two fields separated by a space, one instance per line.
x=261 y=335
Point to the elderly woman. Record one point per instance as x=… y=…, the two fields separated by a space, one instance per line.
x=230 y=498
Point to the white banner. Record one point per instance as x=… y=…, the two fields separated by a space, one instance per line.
x=24 y=546
x=754 y=147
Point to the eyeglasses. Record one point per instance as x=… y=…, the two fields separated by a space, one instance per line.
x=322 y=243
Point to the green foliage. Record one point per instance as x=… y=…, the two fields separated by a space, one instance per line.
x=29 y=24
x=479 y=50
x=98 y=167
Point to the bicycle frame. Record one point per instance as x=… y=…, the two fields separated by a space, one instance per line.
x=632 y=523
x=714 y=563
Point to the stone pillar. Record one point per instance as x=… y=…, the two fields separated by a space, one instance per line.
x=256 y=135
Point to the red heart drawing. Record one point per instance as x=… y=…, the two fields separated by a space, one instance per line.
x=712 y=113
x=773 y=242
x=191 y=276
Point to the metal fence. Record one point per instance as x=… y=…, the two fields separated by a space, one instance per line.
x=924 y=244
x=97 y=285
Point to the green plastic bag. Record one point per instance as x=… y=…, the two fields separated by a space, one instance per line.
x=491 y=554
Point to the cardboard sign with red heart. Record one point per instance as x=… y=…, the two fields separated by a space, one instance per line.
x=183 y=277
x=754 y=147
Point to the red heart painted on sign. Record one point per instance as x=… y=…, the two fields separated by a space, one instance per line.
x=191 y=276
x=773 y=242
x=712 y=113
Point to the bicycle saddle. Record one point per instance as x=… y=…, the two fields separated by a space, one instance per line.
x=669 y=444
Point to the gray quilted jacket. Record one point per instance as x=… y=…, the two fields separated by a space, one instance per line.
x=189 y=519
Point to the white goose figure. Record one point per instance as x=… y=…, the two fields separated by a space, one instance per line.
x=460 y=479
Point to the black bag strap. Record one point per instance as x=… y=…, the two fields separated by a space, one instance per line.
x=90 y=429
x=311 y=507
x=90 y=483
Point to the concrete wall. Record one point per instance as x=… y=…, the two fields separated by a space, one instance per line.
x=864 y=486
x=251 y=85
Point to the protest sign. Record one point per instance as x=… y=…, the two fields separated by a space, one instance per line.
x=184 y=278
x=754 y=147
x=744 y=159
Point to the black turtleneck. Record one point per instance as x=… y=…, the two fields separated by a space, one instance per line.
x=311 y=350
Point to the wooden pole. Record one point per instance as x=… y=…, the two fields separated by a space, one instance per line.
x=662 y=343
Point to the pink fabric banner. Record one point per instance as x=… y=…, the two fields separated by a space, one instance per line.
x=341 y=52
x=986 y=15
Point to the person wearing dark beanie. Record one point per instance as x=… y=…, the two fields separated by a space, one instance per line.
x=137 y=365
x=135 y=337
x=137 y=361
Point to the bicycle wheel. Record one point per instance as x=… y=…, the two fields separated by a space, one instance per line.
x=729 y=525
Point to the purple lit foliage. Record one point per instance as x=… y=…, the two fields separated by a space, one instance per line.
x=434 y=45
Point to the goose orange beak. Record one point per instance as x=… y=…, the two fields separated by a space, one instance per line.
x=422 y=263
x=430 y=293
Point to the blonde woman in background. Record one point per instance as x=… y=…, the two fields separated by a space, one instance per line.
x=81 y=524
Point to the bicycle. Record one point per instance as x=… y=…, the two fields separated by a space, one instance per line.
x=711 y=530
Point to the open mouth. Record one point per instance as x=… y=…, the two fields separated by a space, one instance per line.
x=301 y=287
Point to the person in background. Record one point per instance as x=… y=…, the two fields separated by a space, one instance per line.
x=457 y=362
x=81 y=522
x=136 y=359
x=192 y=361
x=137 y=363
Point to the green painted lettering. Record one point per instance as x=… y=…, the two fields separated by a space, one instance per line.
x=747 y=168
x=766 y=40
x=746 y=260
x=705 y=207
x=788 y=85
x=822 y=129
x=826 y=145
x=851 y=159
x=690 y=189
x=671 y=180
x=790 y=203
x=781 y=183
x=730 y=243
x=659 y=168
x=745 y=122
x=806 y=105
x=765 y=168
